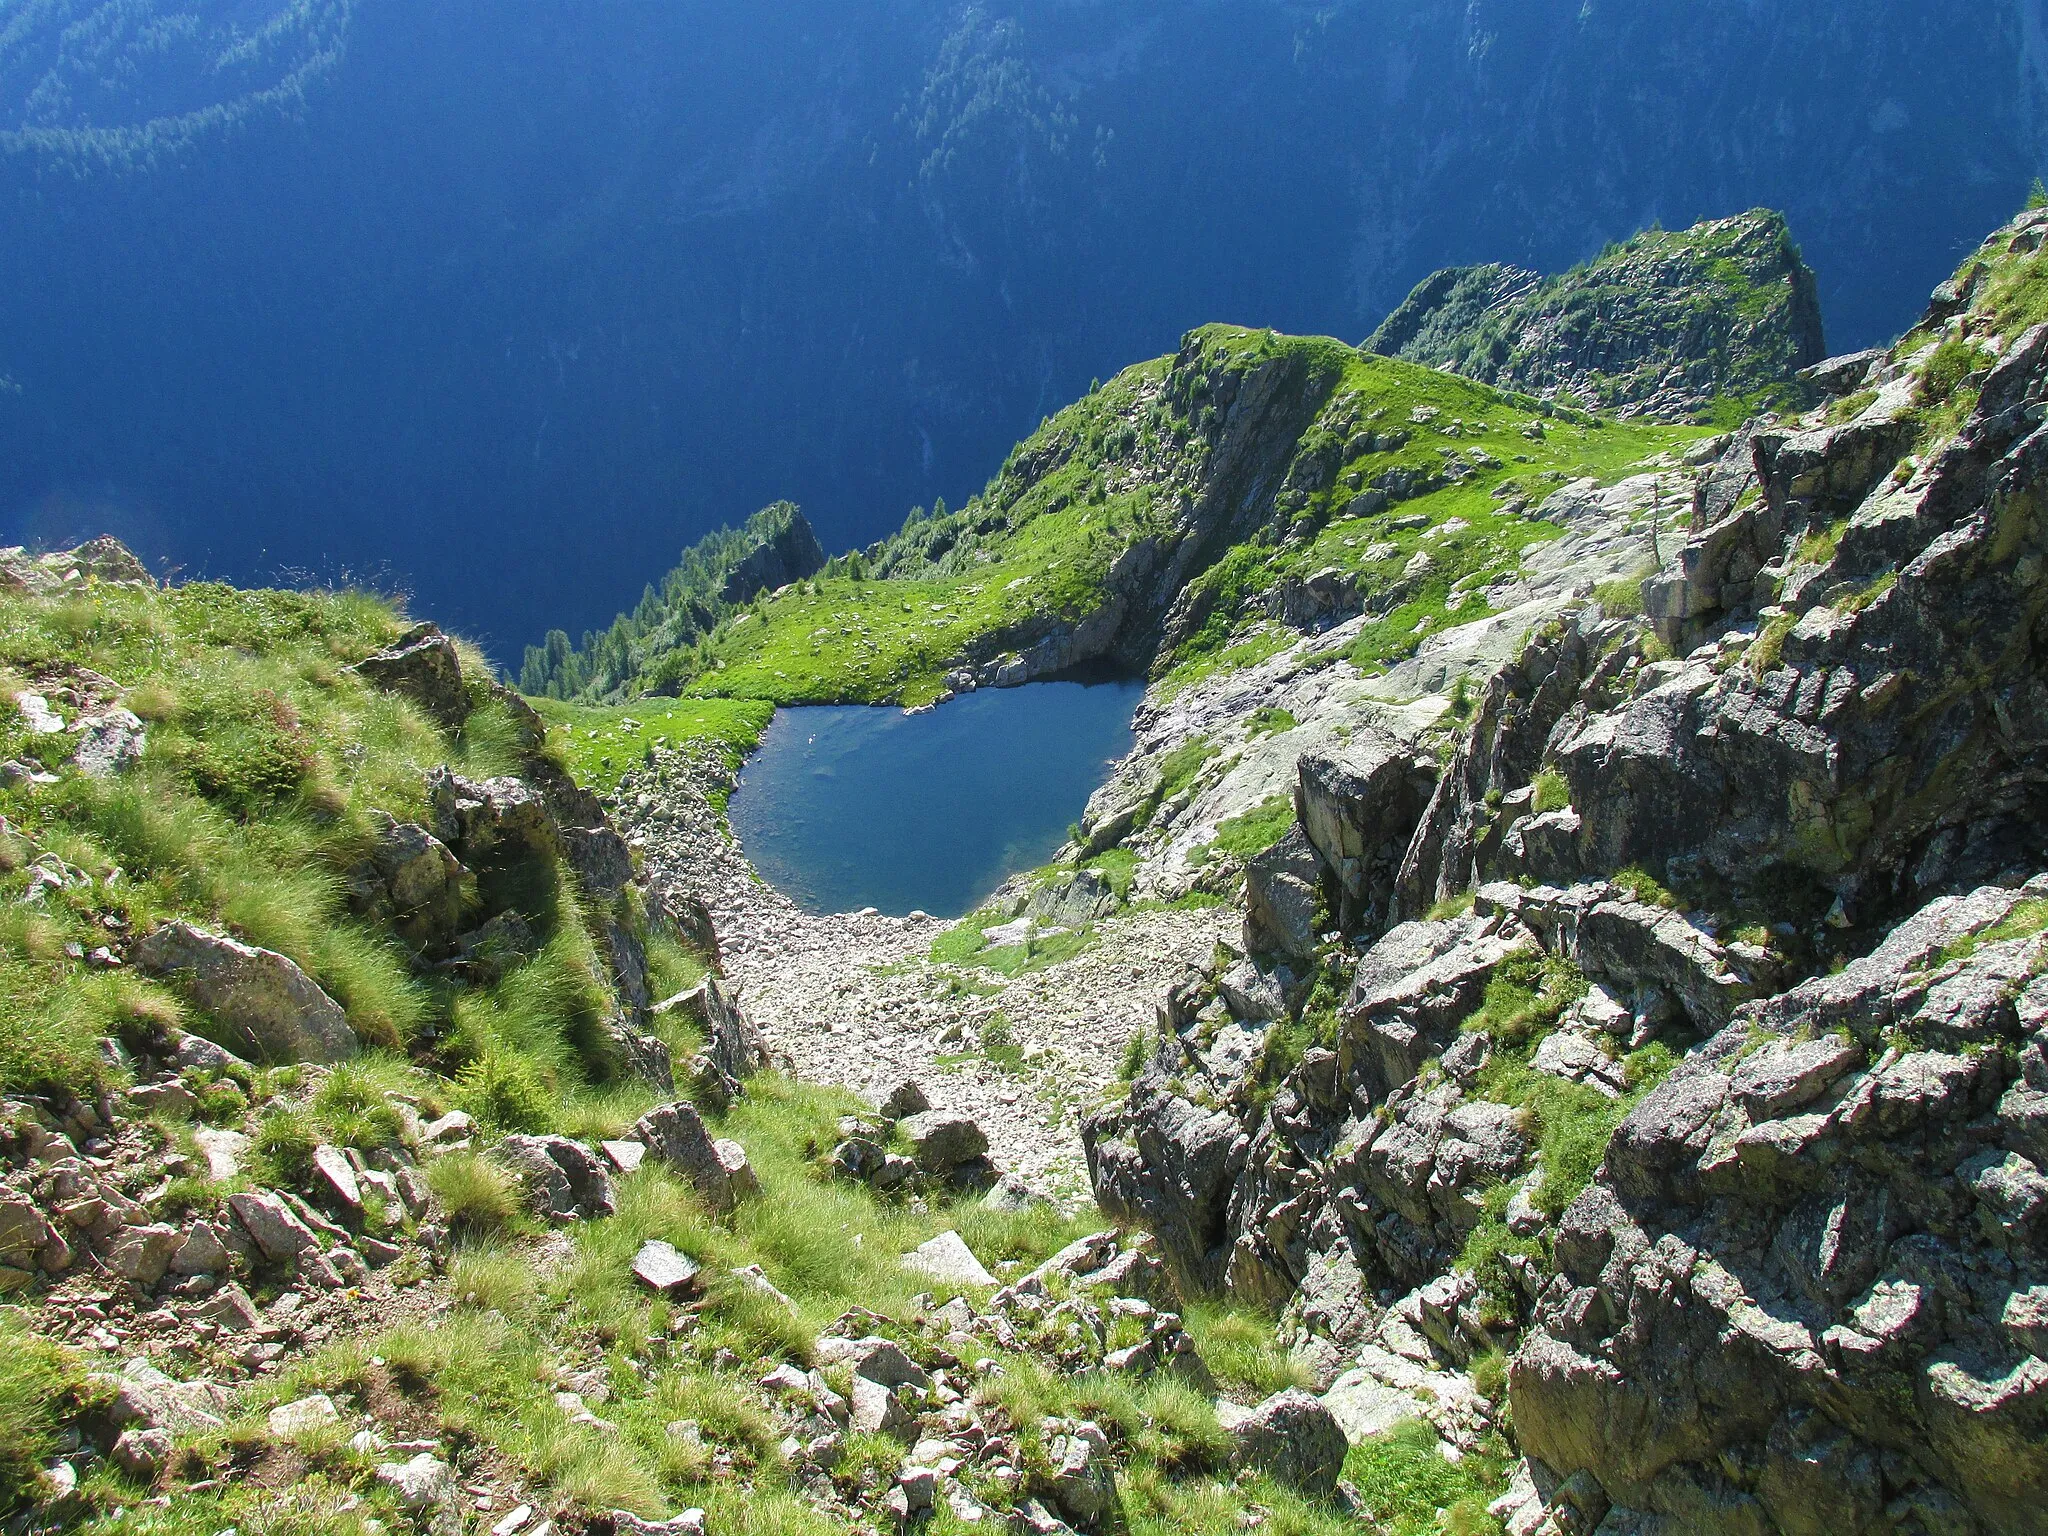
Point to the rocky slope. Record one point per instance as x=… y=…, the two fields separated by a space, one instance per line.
x=1666 y=1054
x=1666 y=324
x=353 y=1179
x=856 y=999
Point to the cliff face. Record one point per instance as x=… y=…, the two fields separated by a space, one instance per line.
x=1663 y=325
x=1689 y=1058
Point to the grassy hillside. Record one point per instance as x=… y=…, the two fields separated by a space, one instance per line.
x=1125 y=465
x=251 y=809
x=265 y=758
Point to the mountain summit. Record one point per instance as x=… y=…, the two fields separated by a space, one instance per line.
x=1660 y=326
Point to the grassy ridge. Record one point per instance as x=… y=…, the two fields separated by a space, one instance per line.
x=265 y=759
x=252 y=805
x=1118 y=467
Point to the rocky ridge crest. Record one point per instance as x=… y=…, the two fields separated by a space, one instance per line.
x=1677 y=1049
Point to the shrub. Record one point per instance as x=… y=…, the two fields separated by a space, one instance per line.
x=1137 y=1052
x=351 y=1101
x=1407 y=1487
x=492 y=1279
x=1525 y=997
x=1241 y=1351
x=1552 y=793
x=505 y=1091
x=1623 y=598
x=244 y=748
x=999 y=1042
x=963 y=941
x=1257 y=829
x=672 y=966
x=1769 y=646
x=1177 y=770
x=1490 y=1375
x=1575 y=1123
x=1120 y=867
x=1270 y=720
x=1646 y=888
x=52 y=1020
x=1819 y=546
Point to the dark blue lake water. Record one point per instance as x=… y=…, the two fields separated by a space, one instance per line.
x=844 y=808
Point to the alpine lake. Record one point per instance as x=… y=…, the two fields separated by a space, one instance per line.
x=848 y=807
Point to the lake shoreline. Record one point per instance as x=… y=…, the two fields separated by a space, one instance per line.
x=855 y=999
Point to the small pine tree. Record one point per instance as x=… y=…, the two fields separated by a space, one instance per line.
x=2038 y=197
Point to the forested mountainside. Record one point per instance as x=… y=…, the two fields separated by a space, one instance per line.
x=485 y=272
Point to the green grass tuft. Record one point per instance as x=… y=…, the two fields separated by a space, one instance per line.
x=1256 y=830
x=481 y=1199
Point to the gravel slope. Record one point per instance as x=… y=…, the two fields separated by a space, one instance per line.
x=853 y=998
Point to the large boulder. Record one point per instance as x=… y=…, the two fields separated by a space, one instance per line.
x=423 y=666
x=498 y=820
x=731 y=1042
x=1164 y=1163
x=24 y=1233
x=143 y=1398
x=275 y=1228
x=1071 y=899
x=1413 y=990
x=103 y=561
x=1459 y=841
x=272 y=1008
x=947 y=1260
x=1282 y=898
x=410 y=880
x=600 y=857
x=639 y=1054
x=941 y=1141
x=1294 y=1439
x=1358 y=804
x=140 y=1255
x=423 y=1484
x=663 y=1270
x=109 y=743
x=563 y=1179
x=675 y=1135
